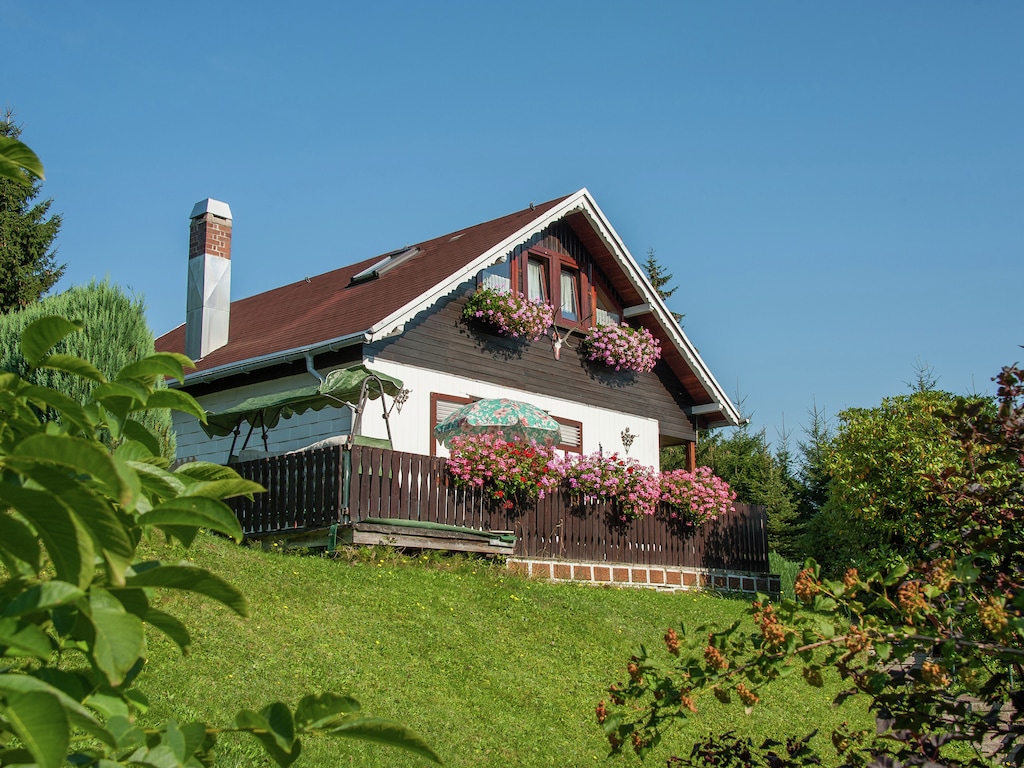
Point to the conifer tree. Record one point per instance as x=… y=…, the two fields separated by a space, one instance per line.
x=28 y=267
x=659 y=279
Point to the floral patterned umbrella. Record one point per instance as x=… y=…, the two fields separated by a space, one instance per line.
x=514 y=419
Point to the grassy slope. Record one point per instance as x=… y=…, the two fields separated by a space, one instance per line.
x=489 y=668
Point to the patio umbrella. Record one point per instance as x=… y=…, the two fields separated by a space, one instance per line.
x=514 y=419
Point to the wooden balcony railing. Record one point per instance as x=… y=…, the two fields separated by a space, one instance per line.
x=311 y=490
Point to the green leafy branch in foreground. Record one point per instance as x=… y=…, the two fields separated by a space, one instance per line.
x=934 y=650
x=18 y=162
x=74 y=601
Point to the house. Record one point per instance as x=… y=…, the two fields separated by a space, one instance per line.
x=399 y=314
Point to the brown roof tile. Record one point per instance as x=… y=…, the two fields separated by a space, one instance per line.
x=328 y=306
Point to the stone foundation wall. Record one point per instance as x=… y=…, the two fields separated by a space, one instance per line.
x=667 y=578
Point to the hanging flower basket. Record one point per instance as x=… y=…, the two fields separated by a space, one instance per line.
x=622 y=348
x=510 y=314
x=696 y=497
x=509 y=473
x=627 y=483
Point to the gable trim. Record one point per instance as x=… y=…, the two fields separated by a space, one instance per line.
x=583 y=202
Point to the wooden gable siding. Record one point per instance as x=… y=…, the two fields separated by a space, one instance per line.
x=562 y=238
x=440 y=340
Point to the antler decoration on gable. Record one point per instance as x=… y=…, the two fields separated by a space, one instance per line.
x=557 y=340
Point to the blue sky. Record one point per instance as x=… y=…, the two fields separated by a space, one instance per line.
x=837 y=188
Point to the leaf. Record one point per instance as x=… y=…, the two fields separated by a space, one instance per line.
x=171 y=627
x=316 y=710
x=13 y=684
x=120 y=641
x=129 y=390
x=384 y=732
x=132 y=451
x=195 y=736
x=39 y=720
x=175 y=739
x=189 y=578
x=196 y=511
x=274 y=728
x=17 y=160
x=40 y=336
x=206 y=470
x=178 y=401
x=70 y=410
x=138 y=432
x=158 y=482
x=78 y=455
x=29 y=640
x=898 y=572
x=124 y=731
x=155 y=366
x=225 y=489
x=66 y=540
x=73 y=365
x=43 y=597
x=96 y=513
x=18 y=539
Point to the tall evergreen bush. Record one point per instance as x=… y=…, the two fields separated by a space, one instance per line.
x=115 y=335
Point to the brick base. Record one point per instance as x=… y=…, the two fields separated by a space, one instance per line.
x=661 y=577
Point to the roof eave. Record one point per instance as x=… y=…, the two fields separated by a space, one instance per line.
x=265 y=361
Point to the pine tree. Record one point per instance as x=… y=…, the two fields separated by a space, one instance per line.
x=28 y=267
x=659 y=279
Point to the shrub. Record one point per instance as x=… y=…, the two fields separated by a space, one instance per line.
x=115 y=333
x=933 y=649
x=74 y=600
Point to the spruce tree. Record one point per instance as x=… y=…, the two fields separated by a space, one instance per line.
x=28 y=267
x=659 y=279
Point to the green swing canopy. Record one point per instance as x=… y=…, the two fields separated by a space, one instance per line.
x=339 y=388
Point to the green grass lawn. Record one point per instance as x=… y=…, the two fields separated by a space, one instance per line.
x=489 y=668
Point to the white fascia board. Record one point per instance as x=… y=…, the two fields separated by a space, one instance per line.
x=264 y=361
x=642 y=284
x=579 y=201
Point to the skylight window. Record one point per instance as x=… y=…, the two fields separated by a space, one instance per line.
x=386 y=264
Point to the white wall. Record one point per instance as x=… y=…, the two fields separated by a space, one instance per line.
x=410 y=428
x=601 y=428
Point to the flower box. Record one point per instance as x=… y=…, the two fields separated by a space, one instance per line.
x=510 y=313
x=622 y=347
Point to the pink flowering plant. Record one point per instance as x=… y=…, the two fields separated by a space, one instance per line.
x=510 y=473
x=622 y=347
x=697 y=497
x=630 y=485
x=511 y=313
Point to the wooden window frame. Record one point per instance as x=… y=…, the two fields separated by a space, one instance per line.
x=578 y=425
x=435 y=398
x=555 y=262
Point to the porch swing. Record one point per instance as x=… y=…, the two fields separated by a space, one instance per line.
x=350 y=387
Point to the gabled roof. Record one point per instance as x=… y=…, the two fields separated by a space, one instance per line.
x=374 y=298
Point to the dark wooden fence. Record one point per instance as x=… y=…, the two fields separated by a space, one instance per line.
x=308 y=490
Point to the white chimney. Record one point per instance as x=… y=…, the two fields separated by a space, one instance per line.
x=208 y=306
